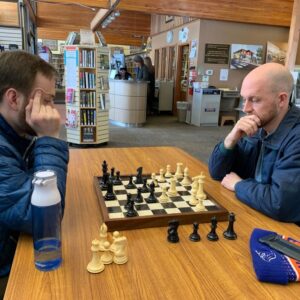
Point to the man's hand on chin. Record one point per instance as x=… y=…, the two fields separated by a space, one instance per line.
x=230 y=180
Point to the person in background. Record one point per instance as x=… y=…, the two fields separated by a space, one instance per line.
x=123 y=74
x=29 y=142
x=260 y=158
x=151 y=86
x=142 y=72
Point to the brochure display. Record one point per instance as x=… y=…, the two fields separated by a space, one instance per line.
x=87 y=101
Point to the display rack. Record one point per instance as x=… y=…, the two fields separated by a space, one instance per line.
x=57 y=62
x=87 y=94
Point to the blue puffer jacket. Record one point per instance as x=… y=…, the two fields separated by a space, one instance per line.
x=277 y=192
x=20 y=158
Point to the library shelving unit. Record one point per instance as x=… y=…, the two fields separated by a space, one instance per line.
x=87 y=94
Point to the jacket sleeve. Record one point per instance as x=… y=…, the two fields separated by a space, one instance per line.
x=280 y=198
x=221 y=161
x=16 y=181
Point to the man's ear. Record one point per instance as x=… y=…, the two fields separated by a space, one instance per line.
x=283 y=99
x=12 y=97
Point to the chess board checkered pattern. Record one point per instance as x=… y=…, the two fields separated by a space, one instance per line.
x=154 y=214
x=176 y=204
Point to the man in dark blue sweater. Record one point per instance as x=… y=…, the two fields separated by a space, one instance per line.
x=260 y=158
x=29 y=131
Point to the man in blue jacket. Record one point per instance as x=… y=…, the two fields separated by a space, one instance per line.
x=260 y=158
x=29 y=131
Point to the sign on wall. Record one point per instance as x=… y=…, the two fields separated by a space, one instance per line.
x=216 y=54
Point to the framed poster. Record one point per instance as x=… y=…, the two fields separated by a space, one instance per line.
x=216 y=54
x=275 y=54
x=246 y=56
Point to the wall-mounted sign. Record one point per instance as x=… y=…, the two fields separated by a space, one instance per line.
x=216 y=54
x=183 y=34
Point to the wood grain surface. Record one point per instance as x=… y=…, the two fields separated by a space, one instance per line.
x=156 y=269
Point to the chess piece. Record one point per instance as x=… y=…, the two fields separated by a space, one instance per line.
x=152 y=198
x=110 y=195
x=163 y=197
x=153 y=177
x=120 y=252
x=172 y=192
x=95 y=265
x=131 y=212
x=104 y=167
x=107 y=257
x=112 y=174
x=229 y=232
x=194 y=236
x=200 y=192
x=117 y=180
x=145 y=188
x=173 y=231
x=103 y=183
x=179 y=173
x=139 y=197
x=139 y=176
x=130 y=184
x=193 y=201
x=126 y=206
x=168 y=172
x=195 y=185
x=200 y=206
x=161 y=177
x=186 y=181
x=212 y=235
x=102 y=236
x=116 y=235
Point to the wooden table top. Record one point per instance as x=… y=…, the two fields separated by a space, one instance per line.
x=156 y=268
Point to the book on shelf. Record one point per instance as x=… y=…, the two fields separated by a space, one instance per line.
x=70 y=95
x=102 y=101
x=71 y=118
x=88 y=134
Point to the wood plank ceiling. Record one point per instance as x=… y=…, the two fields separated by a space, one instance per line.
x=54 y=21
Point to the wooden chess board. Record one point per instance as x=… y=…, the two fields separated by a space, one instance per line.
x=154 y=214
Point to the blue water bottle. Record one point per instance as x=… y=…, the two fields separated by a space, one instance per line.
x=46 y=221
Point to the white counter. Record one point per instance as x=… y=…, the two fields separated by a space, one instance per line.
x=128 y=102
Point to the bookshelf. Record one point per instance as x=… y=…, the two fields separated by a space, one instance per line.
x=87 y=94
x=57 y=61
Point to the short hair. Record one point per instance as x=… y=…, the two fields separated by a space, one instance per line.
x=138 y=59
x=18 y=70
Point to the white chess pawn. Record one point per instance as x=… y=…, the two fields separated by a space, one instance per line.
x=116 y=235
x=107 y=257
x=161 y=177
x=153 y=177
x=172 y=192
x=195 y=185
x=95 y=265
x=168 y=172
x=193 y=201
x=200 y=192
x=163 y=197
x=120 y=256
x=179 y=172
x=103 y=236
x=200 y=206
x=186 y=181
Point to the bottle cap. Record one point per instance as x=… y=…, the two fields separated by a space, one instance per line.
x=42 y=177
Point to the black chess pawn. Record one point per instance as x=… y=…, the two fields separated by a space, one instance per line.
x=212 y=235
x=104 y=167
x=145 y=188
x=194 y=236
x=152 y=198
x=139 y=197
x=139 y=176
x=126 y=206
x=173 y=231
x=112 y=174
x=103 y=183
x=131 y=212
x=110 y=195
x=229 y=232
x=117 y=180
x=130 y=184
